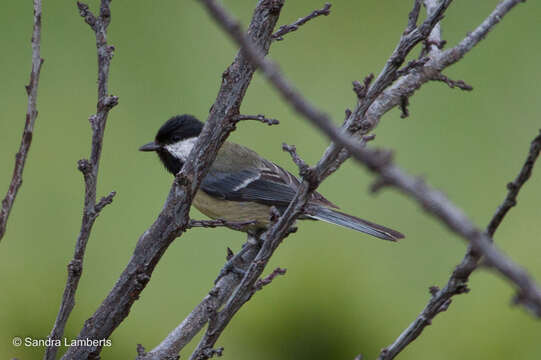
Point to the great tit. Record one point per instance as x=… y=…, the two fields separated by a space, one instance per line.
x=241 y=186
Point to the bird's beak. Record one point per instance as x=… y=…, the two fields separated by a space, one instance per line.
x=151 y=146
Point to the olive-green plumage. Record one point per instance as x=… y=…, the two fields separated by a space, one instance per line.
x=241 y=186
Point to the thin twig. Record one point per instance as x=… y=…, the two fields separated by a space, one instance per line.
x=259 y=284
x=361 y=89
x=412 y=65
x=285 y=29
x=515 y=186
x=453 y=83
x=390 y=72
x=408 y=84
x=457 y=283
x=218 y=223
x=413 y=16
x=89 y=168
x=301 y=164
x=31 y=115
x=260 y=117
x=433 y=44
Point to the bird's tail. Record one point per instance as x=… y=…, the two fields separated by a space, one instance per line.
x=352 y=222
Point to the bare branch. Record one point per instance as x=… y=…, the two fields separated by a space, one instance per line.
x=196 y=320
x=412 y=65
x=361 y=89
x=271 y=239
x=453 y=83
x=218 y=223
x=292 y=96
x=259 y=117
x=413 y=17
x=275 y=234
x=31 y=115
x=285 y=29
x=85 y=13
x=433 y=44
x=407 y=85
x=434 y=202
x=515 y=186
x=332 y=159
x=104 y=201
x=269 y=278
x=457 y=283
x=174 y=216
x=89 y=169
x=301 y=164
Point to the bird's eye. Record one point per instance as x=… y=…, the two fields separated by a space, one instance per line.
x=176 y=138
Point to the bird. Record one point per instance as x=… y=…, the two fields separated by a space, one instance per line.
x=243 y=187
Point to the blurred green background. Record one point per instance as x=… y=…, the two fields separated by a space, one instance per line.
x=344 y=293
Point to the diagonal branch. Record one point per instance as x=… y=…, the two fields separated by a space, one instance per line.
x=271 y=239
x=89 y=169
x=515 y=186
x=286 y=29
x=31 y=115
x=197 y=319
x=457 y=283
x=173 y=218
x=312 y=177
x=218 y=223
x=413 y=16
x=432 y=201
x=407 y=85
x=260 y=117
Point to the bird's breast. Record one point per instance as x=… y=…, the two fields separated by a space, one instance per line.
x=233 y=211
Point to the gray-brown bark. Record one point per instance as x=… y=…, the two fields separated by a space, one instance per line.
x=457 y=283
x=173 y=218
x=375 y=97
x=31 y=115
x=432 y=201
x=89 y=168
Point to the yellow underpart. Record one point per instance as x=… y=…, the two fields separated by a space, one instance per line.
x=233 y=211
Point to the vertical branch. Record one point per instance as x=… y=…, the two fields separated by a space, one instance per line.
x=89 y=168
x=31 y=115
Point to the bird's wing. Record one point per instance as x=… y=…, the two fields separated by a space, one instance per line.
x=275 y=172
x=268 y=184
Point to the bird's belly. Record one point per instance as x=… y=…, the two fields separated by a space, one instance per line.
x=233 y=211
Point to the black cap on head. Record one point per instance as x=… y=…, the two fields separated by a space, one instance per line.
x=179 y=127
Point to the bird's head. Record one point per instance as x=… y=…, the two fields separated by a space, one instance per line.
x=175 y=140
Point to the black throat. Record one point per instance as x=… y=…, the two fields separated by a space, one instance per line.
x=171 y=163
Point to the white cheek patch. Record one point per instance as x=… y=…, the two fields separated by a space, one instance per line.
x=181 y=149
